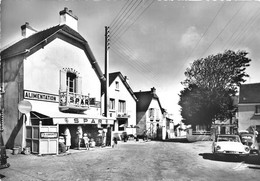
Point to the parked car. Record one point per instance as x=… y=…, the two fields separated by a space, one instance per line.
x=250 y=140
x=227 y=144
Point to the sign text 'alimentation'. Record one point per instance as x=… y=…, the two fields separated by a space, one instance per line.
x=40 y=96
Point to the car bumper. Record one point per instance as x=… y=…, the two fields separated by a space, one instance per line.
x=231 y=154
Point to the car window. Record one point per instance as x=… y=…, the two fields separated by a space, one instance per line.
x=228 y=138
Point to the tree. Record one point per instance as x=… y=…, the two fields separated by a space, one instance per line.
x=209 y=86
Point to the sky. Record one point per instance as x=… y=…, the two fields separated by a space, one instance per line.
x=152 y=42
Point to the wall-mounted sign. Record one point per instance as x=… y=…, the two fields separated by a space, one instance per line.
x=83 y=121
x=40 y=96
x=49 y=135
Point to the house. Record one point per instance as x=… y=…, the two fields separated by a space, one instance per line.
x=227 y=126
x=150 y=115
x=169 y=126
x=249 y=106
x=51 y=82
x=122 y=104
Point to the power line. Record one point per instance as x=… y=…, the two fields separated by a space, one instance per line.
x=124 y=18
x=135 y=61
x=222 y=29
x=119 y=14
x=245 y=30
x=205 y=32
x=134 y=67
x=123 y=45
x=237 y=32
x=134 y=20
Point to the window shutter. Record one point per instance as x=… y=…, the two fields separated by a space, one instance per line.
x=79 y=85
x=63 y=81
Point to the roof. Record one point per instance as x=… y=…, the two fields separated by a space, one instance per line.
x=144 y=100
x=249 y=93
x=114 y=75
x=33 y=43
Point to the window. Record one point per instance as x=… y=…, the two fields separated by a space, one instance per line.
x=122 y=106
x=257 y=109
x=112 y=104
x=117 y=85
x=151 y=112
x=70 y=80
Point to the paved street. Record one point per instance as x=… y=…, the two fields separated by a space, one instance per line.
x=132 y=161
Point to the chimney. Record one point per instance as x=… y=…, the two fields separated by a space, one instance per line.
x=27 y=30
x=127 y=79
x=67 y=18
x=153 y=90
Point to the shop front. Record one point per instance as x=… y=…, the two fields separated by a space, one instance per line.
x=46 y=125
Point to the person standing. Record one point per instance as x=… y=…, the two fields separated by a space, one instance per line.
x=79 y=135
x=67 y=138
x=86 y=140
x=115 y=142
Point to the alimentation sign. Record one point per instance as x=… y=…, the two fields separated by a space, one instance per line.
x=40 y=96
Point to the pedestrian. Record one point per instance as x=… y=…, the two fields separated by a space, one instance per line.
x=115 y=142
x=103 y=138
x=79 y=136
x=67 y=138
x=86 y=140
x=145 y=135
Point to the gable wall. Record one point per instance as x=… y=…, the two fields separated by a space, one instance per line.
x=42 y=69
x=245 y=113
x=123 y=94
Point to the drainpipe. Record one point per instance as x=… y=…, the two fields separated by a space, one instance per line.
x=2 y=101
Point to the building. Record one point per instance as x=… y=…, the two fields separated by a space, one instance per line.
x=122 y=104
x=169 y=127
x=53 y=78
x=249 y=107
x=150 y=115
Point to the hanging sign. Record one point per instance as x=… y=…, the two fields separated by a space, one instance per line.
x=49 y=135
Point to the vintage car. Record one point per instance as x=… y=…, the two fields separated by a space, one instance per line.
x=250 y=140
x=227 y=144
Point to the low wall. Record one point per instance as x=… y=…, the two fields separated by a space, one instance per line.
x=193 y=136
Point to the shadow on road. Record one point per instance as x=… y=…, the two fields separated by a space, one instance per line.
x=210 y=156
x=1 y=176
x=179 y=140
x=251 y=159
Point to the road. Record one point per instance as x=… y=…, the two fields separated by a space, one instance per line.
x=132 y=161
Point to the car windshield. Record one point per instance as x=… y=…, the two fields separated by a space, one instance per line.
x=247 y=138
x=228 y=138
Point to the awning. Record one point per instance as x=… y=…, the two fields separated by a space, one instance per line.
x=255 y=117
x=50 y=110
x=68 y=118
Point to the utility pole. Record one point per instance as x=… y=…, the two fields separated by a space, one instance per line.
x=107 y=47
